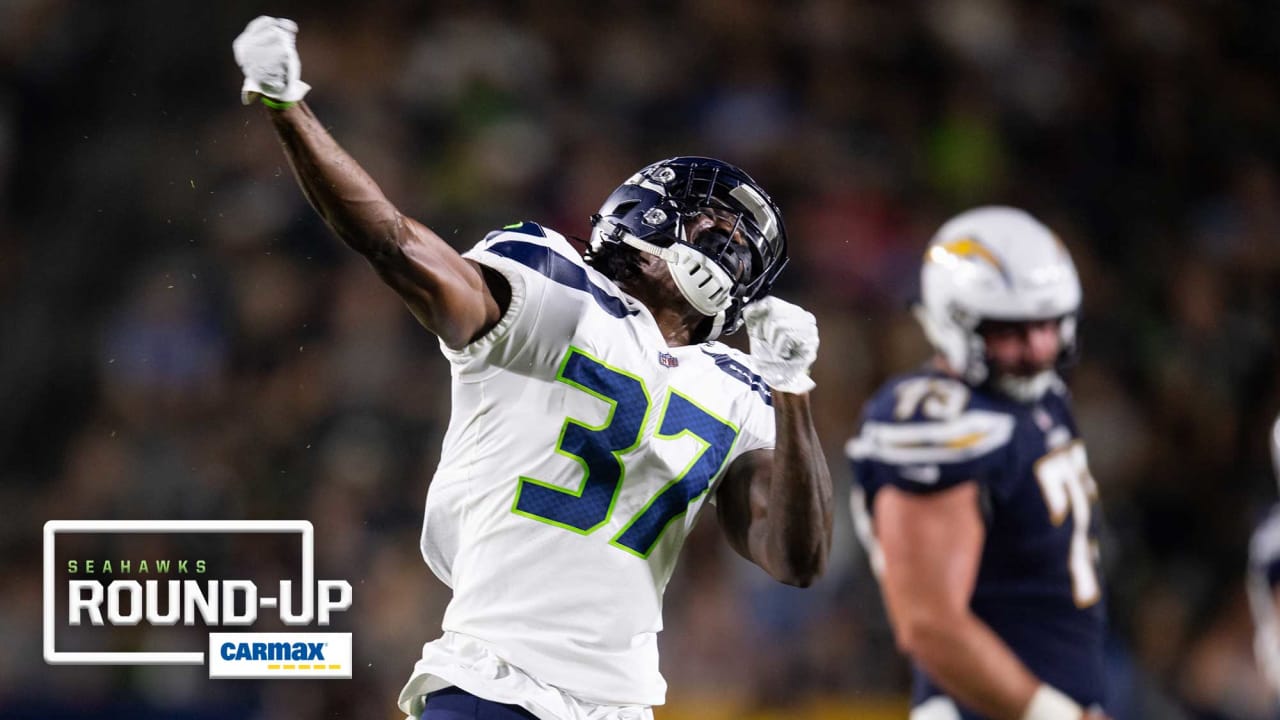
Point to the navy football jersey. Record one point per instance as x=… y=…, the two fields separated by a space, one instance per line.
x=1038 y=585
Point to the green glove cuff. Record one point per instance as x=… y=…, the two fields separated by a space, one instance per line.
x=276 y=104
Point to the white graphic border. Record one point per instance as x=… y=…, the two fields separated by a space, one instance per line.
x=53 y=527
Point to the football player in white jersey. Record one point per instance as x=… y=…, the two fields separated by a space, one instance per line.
x=973 y=494
x=1263 y=582
x=593 y=414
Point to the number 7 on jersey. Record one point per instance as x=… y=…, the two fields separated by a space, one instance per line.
x=599 y=450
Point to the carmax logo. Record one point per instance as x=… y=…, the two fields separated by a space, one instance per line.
x=279 y=655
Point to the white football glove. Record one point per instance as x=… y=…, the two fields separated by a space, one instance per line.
x=267 y=54
x=784 y=343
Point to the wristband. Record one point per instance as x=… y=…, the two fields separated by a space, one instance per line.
x=276 y=104
x=1049 y=703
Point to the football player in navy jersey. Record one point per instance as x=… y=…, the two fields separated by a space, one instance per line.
x=593 y=414
x=1263 y=582
x=973 y=495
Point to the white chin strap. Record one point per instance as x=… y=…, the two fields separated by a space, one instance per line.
x=1026 y=389
x=717 y=326
x=702 y=282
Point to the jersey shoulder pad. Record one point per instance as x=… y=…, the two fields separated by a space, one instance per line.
x=717 y=349
x=932 y=430
x=738 y=365
x=921 y=396
x=525 y=239
x=541 y=254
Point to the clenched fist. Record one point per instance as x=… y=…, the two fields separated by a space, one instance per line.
x=784 y=343
x=268 y=56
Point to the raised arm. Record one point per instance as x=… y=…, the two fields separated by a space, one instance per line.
x=775 y=505
x=452 y=297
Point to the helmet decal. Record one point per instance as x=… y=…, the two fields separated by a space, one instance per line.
x=967 y=248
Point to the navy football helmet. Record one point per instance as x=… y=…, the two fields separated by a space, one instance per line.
x=715 y=273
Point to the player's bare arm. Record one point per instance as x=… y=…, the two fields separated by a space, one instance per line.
x=775 y=505
x=932 y=547
x=452 y=297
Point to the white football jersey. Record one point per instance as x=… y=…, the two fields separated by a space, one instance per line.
x=579 y=452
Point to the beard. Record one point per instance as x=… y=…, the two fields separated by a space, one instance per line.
x=1025 y=388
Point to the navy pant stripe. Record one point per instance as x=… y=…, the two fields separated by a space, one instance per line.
x=457 y=704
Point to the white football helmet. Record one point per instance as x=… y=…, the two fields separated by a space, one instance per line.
x=996 y=263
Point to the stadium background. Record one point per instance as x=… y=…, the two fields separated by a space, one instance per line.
x=183 y=339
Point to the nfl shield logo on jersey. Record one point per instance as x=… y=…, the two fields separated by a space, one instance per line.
x=667 y=360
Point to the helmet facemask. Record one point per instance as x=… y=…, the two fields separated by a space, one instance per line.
x=717 y=269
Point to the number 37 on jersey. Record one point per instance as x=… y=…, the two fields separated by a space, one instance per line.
x=600 y=450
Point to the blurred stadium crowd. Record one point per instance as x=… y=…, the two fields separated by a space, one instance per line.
x=183 y=339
